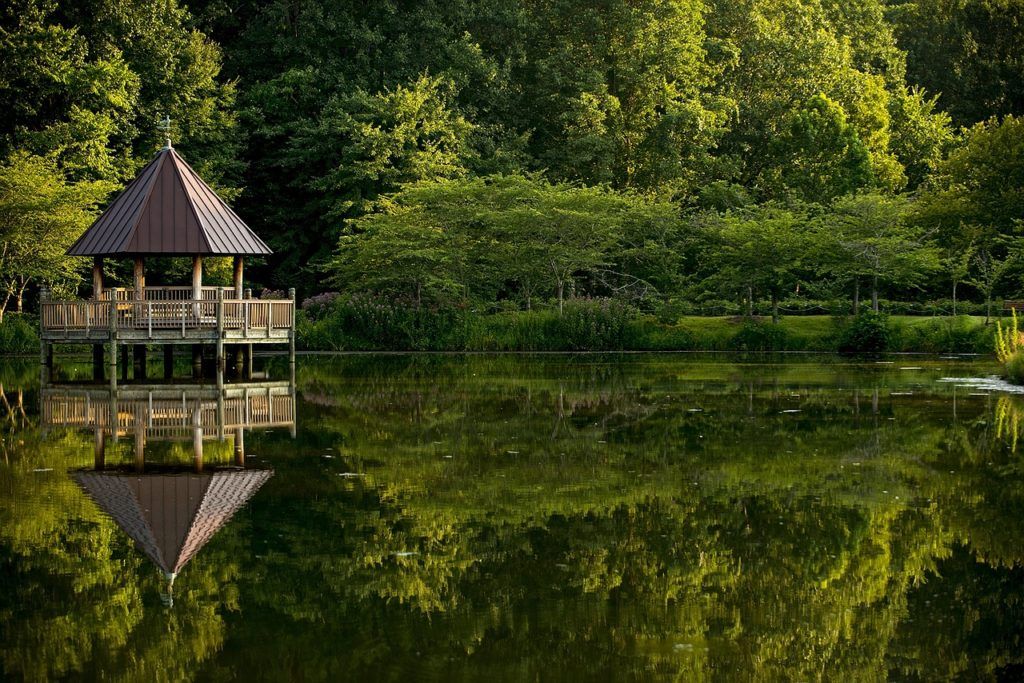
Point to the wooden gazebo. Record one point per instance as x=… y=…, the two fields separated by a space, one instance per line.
x=167 y=211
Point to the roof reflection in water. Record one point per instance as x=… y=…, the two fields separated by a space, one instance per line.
x=170 y=513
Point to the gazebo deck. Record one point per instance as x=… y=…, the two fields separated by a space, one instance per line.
x=168 y=315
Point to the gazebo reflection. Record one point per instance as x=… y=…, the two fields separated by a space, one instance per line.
x=171 y=515
x=170 y=512
x=169 y=412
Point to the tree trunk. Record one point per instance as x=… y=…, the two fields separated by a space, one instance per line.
x=874 y=294
x=954 y=298
x=7 y=300
x=856 y=296
x=775 y=308
x=561 y=291
x=988 y=307
x=19 y=298
x=750 y=301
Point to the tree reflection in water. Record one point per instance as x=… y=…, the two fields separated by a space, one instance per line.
x=555 y=517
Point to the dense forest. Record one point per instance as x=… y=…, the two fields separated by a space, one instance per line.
x=669 y=157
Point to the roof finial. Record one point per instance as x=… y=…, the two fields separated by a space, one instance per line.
x=165 y=126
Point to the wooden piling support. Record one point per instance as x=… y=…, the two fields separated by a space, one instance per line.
x=139 y=364
x=98 y=361
x=168 y=361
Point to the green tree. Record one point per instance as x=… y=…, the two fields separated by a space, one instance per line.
x=615 y=92
x=968 y=51
x=819 y=155
x=980 y=184
x=92 y=78
x=874 y=241
x=41 y=214
x=758 y=252
x=361 y=147
x=472 y=238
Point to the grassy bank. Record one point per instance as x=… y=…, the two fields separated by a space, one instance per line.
x=606 y=326
x=598 y=327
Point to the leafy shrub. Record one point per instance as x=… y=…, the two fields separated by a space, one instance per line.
x=948 y=335
x=318 y=306
x=18 y=335
x=648 y=334
x=592 y=325
x=1009 y=339
x=867 y=332
x=374 y=322
x=758 y=337
x=1015 y=368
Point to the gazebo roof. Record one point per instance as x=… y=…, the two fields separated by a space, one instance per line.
x=172 y=516
x=168 y=211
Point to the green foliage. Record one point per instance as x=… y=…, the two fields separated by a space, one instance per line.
x=867 y=332
x=1009 y=340
x=471 y=241
x=959 y=334
x=41 y=215
x=977 y=191
x=18 y=335
x=371 y=322
x=868 y=237
x=758 y=337
x=88 y=82
x=819 y=154
x=1015 y=367
x=968 y=52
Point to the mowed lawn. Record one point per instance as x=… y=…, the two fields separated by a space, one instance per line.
x=819 y=332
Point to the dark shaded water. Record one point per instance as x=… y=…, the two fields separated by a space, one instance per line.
x=515 y=518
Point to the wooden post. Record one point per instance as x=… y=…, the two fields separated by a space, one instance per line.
x=239 y=270
x=139 y=273
x=197 y=361
x=140 y=361
x=112 y=314
x=140 y=441
x=168 y=361
x=220 y=342
x=291 y=329
x=197 y=278
x=99 y=448
x=240 y=447
x=197 y=437
x=98 y=362
x=139 y=277
x=97 y=278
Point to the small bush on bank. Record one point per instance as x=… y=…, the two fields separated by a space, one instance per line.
x=867 y=332
x=18 y=335
x=593 y=325
x=759 y=337
x=1015 y=368
x=584 y=325
x=363 y=322
x=948 y=335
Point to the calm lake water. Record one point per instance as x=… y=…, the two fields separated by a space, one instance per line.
x=516 y=518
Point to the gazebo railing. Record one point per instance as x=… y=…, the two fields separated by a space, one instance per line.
x=252 y=317
x=167 y=293
x=167 y=417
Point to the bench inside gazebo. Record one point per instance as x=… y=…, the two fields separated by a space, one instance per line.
x=167 y=211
